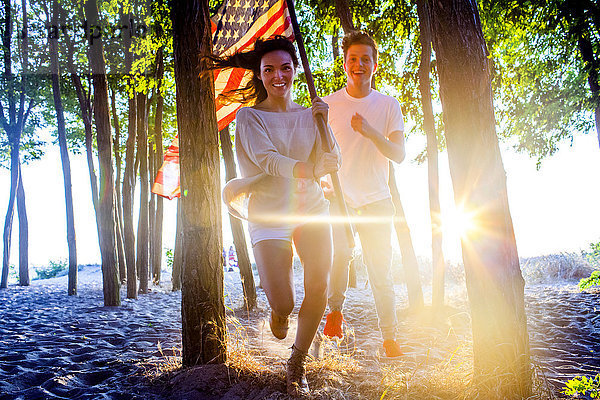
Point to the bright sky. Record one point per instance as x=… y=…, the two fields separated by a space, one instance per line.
x=555 y=209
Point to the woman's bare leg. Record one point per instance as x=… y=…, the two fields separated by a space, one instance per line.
x=274 y=264
x=314 y=246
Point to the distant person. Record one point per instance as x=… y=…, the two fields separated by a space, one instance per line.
x=232 y=259
x=224 y=258
x=281 y=159
x=369 y=129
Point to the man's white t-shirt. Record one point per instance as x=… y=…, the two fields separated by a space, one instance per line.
x=365 y=171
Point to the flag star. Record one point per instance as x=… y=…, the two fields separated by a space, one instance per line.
x=236 y=34
x=231 y=19
x=237 y=4
x=241 y=20
x=228 y=35
x=247 y=4
x=265 y=5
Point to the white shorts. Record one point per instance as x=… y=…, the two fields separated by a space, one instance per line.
x=259 y=232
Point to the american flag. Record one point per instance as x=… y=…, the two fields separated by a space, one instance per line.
x=235 y=27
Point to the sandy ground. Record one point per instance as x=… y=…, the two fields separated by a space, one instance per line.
x=71 y=347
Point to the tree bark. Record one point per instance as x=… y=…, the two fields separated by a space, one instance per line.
x=494 y=282
x=85 y=107
x=438 y=263
x=239 y=239
x=142 y=233
x=13 y=127
x=203 y=310
x=129 y=176
x=581 y=30
x=64 y=157
x=89 y=153
x=158 y=216
x=118 y=196
x=178 y=251
x=110 y=275
x=409 y=259
x=128 y=190
x=23 y=233
x=151 y=208
x=8 y=219
x=345 y=15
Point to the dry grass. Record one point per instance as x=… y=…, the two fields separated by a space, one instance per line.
x=340 y=374
x=169 y=363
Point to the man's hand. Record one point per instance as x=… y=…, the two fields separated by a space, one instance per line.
x=391 y=147
x=360 y=125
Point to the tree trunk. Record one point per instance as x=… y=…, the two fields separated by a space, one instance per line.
x=158 y=216
x=345 y=15
x=494 y=282
x=203 y=309
x=121 y=264
x=151 y=209
x=118 y=196
x=129 y=175
x=110 y=275
x=178 y=251
x=23 y=233
x=64 y=157
x=438 y=263
x=128 y=190
x=409 y=259
x=586 y=49
x=142 y=233
x=239 y=239
x=86 y=111
x=581 y=30
x=14 y=181
x=89 y=153
x=13 y=127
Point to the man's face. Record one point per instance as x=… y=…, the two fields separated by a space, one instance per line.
x=360 y=65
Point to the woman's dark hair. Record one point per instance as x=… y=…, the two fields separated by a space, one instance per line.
x=254 y=91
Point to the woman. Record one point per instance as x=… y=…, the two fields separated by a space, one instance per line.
x=281 y=160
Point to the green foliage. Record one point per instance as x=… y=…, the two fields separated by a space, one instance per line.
x=170 y=255
x=53 y=269
x=540 y=80
x=593 y=256
x=389 y=22
x=13 y=276
x=593 y=280
x=582 y=385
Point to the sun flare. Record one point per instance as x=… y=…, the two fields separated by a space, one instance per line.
x=459 y=222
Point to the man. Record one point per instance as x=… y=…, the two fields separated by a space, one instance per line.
x=369 y=129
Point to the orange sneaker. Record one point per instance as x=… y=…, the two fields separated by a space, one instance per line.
x=392 y=349
x=333 y=324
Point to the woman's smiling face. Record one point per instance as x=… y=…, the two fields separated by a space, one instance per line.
x=277 y=73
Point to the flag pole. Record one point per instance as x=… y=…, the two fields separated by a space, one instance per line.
x=321 y=123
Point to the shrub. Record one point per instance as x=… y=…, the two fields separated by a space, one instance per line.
x=593 y=256
x=549 y=268
x=581 y=385
x=13 y=276
x=53 y=269
x=593 y=280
